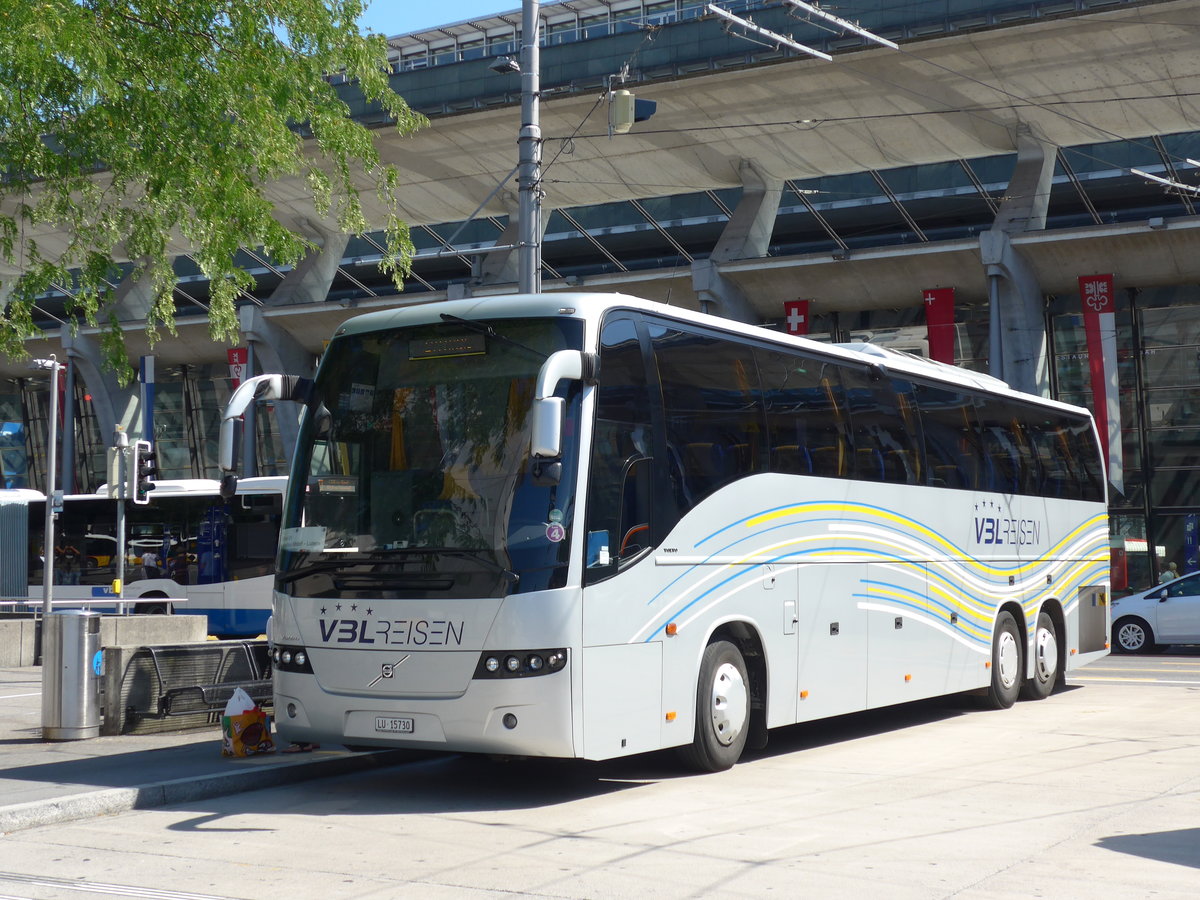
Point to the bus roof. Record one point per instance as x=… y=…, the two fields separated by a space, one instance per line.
x=592 y=306
x=20 y=495
x=174 y=487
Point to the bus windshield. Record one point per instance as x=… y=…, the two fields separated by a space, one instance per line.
x=413 y=476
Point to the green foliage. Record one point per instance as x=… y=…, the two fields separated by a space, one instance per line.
x=135 y=130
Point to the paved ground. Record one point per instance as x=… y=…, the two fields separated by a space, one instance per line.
x=47 y=782
x=1090 y=795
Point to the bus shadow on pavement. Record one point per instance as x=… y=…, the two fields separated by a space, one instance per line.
x=1180 y=847
x=469 y=783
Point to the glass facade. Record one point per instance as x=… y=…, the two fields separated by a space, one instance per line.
x=1156 y=515
x=188 y=401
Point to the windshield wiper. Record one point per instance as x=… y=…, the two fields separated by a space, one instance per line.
x=460 y=552
x=383 y=556
x=488 y=331
x=328 y=565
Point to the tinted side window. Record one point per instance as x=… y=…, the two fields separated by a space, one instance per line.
x=806 y=433
x=885 y=428
x=953 y=456
x=1050 y=437
x=1089 y=465
x=255 y=535
x=713 y=408
x=1007 y=454
x=618 y=510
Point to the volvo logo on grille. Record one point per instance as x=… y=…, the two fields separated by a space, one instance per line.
x=387 y=670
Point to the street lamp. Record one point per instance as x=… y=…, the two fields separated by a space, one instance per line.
x=54 y=367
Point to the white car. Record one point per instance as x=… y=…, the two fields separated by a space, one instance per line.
x=1168 y=613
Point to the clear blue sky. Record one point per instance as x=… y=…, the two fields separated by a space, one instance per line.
x=392 y=17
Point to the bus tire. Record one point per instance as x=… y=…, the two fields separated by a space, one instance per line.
x=1046 y=661
x=722 y=710
x=153 y=609
x=1008 y=668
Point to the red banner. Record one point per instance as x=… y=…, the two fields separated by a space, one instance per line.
x=1099 y=324
x=939 y=318
x=795 y=314
x=238 y=357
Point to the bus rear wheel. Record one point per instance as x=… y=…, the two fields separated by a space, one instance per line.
x=153 y=609
x=1046 y=661
x=722 y=710
x=1008 y=668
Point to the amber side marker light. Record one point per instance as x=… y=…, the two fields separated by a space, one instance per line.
x=671 y=716
x=672 y=629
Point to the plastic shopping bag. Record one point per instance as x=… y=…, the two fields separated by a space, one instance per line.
x=245 y=728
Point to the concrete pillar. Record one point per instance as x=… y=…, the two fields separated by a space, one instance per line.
x=500 y=266
x=720 y=296
x=132 y=300
x=276 y=350
x=112 y=404
x=1028 y=195
x=747 y=235
x=1018 y=345
x=310 y=280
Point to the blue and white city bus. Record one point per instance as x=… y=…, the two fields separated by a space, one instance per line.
x=187 y=543
x=577 y=525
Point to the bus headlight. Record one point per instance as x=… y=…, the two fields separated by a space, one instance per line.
x=292 y=659
x=520 y=663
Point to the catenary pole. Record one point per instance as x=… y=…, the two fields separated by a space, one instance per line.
x=48 y=541
x=529 y=146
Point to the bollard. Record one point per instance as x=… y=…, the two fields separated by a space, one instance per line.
x=71 y=666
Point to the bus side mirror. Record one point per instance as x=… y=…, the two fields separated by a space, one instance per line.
x=260 y=387
x=547 y=416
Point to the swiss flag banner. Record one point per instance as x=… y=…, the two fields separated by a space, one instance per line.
x=1099 y=324
x=795 y=314
x=939 y=319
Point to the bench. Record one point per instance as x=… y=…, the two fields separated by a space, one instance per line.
x=236 y=664
x=173 y=686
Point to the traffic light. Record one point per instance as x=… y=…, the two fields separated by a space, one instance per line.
x=145 y=468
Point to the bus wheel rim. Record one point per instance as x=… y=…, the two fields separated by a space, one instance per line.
x=1047 y=654
x=1008 y=656
x=730 y=701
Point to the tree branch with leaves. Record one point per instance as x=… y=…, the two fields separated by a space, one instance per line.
x=133 y=131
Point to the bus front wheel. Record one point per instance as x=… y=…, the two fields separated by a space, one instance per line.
x=1046 y=669
x=722 y=710
x=1008 y=669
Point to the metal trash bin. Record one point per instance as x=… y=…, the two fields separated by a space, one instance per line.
x=71 y=668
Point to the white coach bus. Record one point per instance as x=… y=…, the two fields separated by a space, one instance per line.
x=579 y=525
